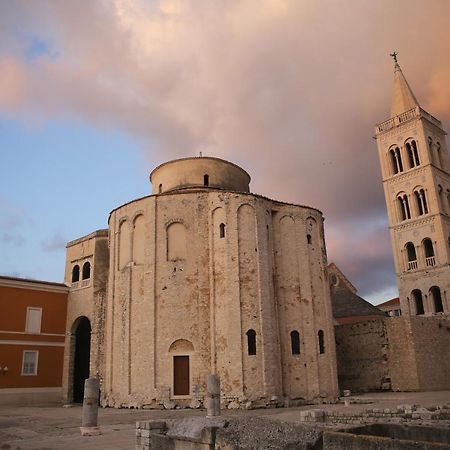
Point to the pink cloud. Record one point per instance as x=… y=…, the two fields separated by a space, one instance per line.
x=290 y=90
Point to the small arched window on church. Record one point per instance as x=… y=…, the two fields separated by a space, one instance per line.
x=403 y=205
x=160 y=189
x=412 y=257
x=418 y=301
x=86 y=271
x=421 y=202
x=321 y=338
x=308 y=238
x=412 y=153
x=437 y=299
x=295 y=342
x=429 y=252
x=206 y=180
x=75 y=273
x=222 y=230
x=251 y=342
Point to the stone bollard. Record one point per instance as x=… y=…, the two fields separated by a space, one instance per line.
x=90 y=408
x=213 y=395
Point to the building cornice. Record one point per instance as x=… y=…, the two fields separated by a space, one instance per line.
x=35 y=285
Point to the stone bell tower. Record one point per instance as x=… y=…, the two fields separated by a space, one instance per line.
x=415 y=170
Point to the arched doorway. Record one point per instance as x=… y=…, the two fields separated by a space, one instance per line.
x=181 y=351
x=82 y=333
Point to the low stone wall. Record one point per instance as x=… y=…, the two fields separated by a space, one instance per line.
x=400 y=414
x=335 y=440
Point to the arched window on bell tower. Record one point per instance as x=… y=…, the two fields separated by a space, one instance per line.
x=396 y=160
x=403 y=206
x=412 y=153
x=421 y=201
x=411 y=255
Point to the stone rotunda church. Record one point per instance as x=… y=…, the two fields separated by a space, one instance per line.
x=201 y=277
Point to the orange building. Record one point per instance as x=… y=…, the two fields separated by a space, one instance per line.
x=32 y=330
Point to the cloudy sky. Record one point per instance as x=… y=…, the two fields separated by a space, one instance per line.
x=94 y=94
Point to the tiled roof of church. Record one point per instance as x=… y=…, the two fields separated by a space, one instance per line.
x=348 y=304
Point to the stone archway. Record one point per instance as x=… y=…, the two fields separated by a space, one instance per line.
x=81 y=331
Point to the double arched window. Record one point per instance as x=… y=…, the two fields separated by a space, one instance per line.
x=85 y=273
x=396 y=160
x=420 y=204
x=427 y=253
x=403 y=205
x=421 y=201
x=412 y=153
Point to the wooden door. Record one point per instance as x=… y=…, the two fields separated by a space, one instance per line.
x=181 y=375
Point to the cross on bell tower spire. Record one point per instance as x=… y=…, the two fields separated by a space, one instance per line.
x=394 y=55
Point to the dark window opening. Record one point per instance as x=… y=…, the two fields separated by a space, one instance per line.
x=251 y=342
x=160 y=188
x=439 y=155
x=437 y=299
x=295 y=342
x=411 y=250
x=321 y=342
x=222 y=230
x=399 y=159
x=418 y=300
x=75 y=273
x=415 y=153
x=428 y=247
x=308 y=238
x=86 y=271
x=393 y=162
x=206 y=180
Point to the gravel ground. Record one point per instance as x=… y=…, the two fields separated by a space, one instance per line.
x=265 y=434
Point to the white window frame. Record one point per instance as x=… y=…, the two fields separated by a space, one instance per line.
x=36 y=352
x=27 y=324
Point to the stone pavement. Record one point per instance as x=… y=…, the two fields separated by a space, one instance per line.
x=57 y=428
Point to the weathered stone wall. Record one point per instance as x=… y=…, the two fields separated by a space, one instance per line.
x=208 y=287
x=419 y=353
x=362 y=355
x=402 y=357
x=412 y=352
